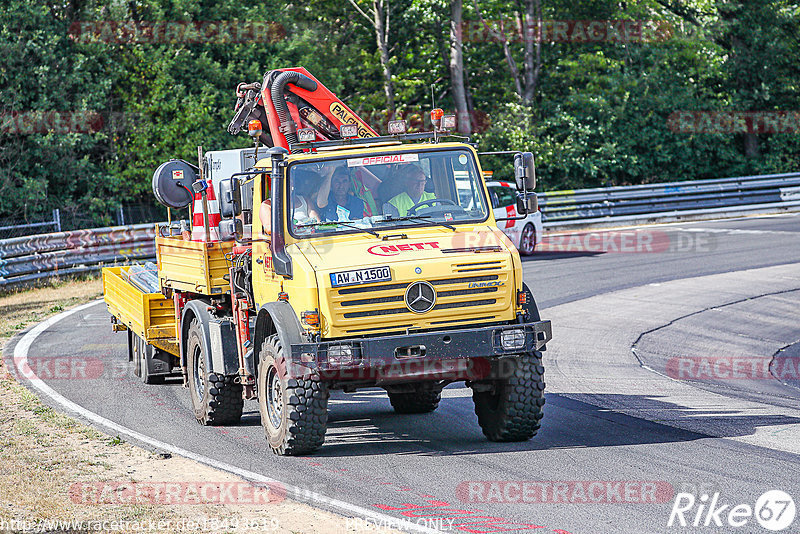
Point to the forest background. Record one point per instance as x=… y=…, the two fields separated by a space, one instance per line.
x=95 y=94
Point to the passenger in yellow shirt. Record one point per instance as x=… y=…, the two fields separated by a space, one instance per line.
x=414 y=193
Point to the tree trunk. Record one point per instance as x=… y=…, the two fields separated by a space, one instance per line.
x=381 y=13
x=532 y=26
x=500 y=36
x=457 y=68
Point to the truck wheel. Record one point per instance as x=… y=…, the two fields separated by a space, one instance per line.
x=216 y=399
x=514 y=410
x=418 y=401
x=294 y=411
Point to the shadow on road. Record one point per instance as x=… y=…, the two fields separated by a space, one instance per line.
x=371 y=427
x=542 y=255
x=364 y=424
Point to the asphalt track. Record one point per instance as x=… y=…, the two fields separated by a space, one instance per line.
x=616 y=418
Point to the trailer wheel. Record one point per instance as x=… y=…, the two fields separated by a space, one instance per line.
x=418 y=401
x=143 y=351
x=514 y=410
x=216 y=399
x=294 y=411
x=133 y=353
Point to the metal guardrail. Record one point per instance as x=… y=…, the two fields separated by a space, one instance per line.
x=583 y=206
x=24 y=260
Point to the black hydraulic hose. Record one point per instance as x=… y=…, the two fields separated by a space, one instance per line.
x=287 y=126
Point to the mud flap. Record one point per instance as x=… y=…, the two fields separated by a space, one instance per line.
x=219 y=339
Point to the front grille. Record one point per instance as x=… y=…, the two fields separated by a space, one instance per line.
x=373 y=313
x=399 y=327
x=404 y=285
x=367 y=289
x=399 y=298
x=467 y=304
x=443 y=306
x=381 y=307
x=476 y=266
x=452 y=321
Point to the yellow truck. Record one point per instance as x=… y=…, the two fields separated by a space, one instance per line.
x=344 y=263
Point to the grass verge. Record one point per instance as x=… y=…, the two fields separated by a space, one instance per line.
x=59 y=475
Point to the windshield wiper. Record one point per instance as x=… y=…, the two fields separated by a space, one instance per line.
x=315 y=224
x=426 y=218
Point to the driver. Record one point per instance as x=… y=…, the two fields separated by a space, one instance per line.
x=413 y=194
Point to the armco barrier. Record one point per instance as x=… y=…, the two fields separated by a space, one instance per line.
x=629 y=203
x=24 y=260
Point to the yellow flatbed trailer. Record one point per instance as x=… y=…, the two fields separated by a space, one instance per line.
x=195 y=267
x=150 y=316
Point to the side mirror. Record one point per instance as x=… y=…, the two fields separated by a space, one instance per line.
x=265 y=214
x=230 y=198
x=527 y=205
x=525 y=171
x=230 y=230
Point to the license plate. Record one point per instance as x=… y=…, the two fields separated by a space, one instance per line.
x=361 y=276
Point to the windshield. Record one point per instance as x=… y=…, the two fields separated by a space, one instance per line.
x=385 y=191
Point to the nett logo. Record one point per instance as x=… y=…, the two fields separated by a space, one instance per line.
x=394 y=250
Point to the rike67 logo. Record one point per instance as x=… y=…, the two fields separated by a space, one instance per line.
x=774 y=510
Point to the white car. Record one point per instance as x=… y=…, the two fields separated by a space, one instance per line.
x=524 y=233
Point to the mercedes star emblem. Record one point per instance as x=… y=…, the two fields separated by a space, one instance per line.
x=420 y=297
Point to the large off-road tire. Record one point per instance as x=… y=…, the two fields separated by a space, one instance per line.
x=216 y=399
x=294 y=411
x=514 y=410
x=418 y=401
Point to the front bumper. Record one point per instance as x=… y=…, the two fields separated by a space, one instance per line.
x=410 y=350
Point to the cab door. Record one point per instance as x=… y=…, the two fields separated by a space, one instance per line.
x=266 y=285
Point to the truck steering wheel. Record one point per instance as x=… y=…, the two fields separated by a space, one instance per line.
x=413 y=209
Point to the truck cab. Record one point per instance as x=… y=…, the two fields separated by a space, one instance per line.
x=363 y=294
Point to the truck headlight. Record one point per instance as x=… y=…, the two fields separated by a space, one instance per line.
x=512 y=339
x=339 y=355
